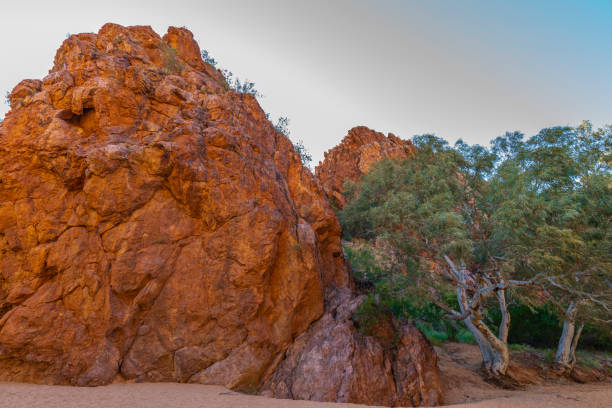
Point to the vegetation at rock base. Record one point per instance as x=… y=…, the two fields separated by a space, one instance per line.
x=482 y=236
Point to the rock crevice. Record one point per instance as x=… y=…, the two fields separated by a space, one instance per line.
x=154 y=226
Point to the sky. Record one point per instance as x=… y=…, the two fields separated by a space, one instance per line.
x=460 y=69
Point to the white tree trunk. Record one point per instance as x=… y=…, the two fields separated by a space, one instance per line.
x=566 y=341
x=499 y=350
x=495 y=355
x=504 y=325
x=575 y=344
x=483 y=344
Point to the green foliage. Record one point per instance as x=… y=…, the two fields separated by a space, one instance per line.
x=439 y=334
x=411 y=204
x=367 y=314
x=540 y=327
x=236 y=84
x=208 y=58
x=464 y=336
x=391 y=292
x=596 y=336
x=587 y=360
x=244 y=87
x=305 y=155
x=248 y=87
x=282 y=126
x=520 y=347
x=7 y=100
x=171 y=61
x=540 y=207
x=537 y=327
x=436 y=337
x=555 y=200
x=374 y=271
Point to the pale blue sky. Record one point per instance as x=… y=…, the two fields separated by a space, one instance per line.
x=461 y=69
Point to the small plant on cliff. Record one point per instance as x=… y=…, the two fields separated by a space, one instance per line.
x=244 y=87
x=282 y=125
x=303 y=152
x=171 y=61
x=7 y=100
x=208 y=58
x=239 y=86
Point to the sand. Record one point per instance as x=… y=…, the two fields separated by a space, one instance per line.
x=170 y=395
x=459 y=363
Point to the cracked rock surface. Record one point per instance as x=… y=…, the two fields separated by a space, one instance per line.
x=333 y=361
x=356 y=154
x=153 y=224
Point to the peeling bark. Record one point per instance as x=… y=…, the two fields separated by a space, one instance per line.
x=494 y=351
x=499 y=350
x=504 y=325
x=567 y=335
x=575 y=343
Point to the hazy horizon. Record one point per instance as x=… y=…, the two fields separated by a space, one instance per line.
x=471 y=70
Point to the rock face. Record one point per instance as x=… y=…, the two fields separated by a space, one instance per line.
x=355 y=156
x=155 y=227
x=332 y=361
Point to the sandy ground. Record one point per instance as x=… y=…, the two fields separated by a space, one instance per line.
x=561 y=396
x=169 y=395
x=459 y=363
x=464 y=384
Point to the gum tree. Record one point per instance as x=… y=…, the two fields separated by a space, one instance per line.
x=571 y=170
x=526 y=219
x=429 y=211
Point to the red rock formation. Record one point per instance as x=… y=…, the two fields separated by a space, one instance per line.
x=334 y=362
x=153 y=225
x=355 y=156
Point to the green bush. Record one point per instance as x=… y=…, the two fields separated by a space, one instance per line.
x=464 y=336
x=370 y=271
x=436 y=337
x=172 y=63
x=209 y=58
x=539 y=327
x=520 y=347
x=367 y=315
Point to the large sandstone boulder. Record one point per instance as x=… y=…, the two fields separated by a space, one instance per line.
x=154 y=226
x=333 y=361
x=360 y=149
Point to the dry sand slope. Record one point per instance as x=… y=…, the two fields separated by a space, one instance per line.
x=170 y=395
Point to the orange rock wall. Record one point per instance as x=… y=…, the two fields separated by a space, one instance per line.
x=153 y=226
x=360 y=149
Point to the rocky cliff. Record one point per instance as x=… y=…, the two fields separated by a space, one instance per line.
x=360 y=149
x=332 y=361
x=155 y=227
